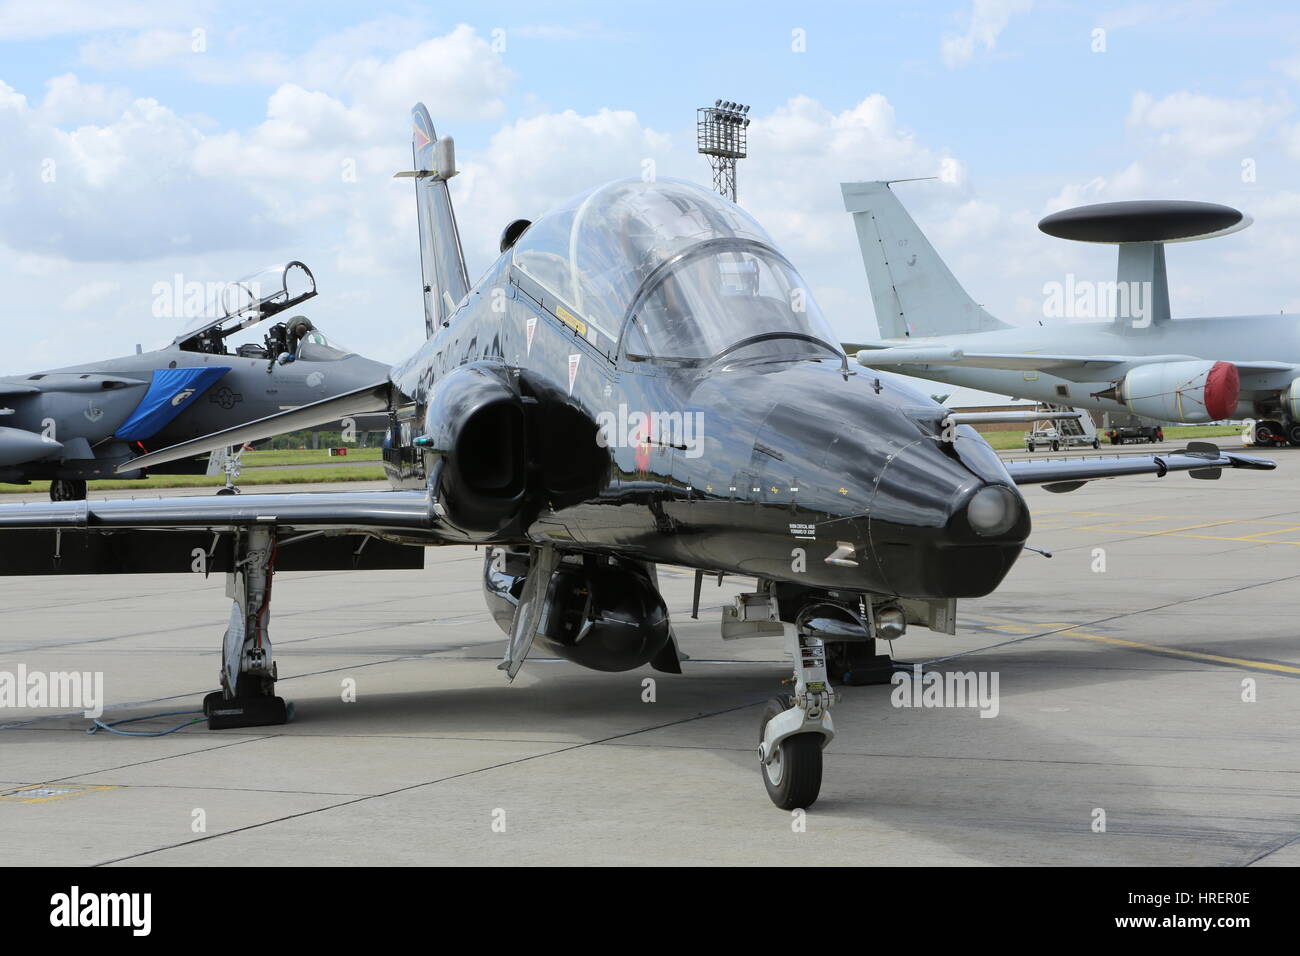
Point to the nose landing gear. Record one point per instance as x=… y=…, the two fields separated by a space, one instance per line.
x=795 y=729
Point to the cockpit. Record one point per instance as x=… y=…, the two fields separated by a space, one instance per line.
x=669 y=272
x=233 y=307
x=315 y=346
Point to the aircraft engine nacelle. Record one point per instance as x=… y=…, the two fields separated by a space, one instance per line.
x=1182 y=391
x=1291 y=399
x=18 y=446
x=606 y=616
x=475 y=429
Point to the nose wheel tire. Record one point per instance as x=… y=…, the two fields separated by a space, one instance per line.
x=794 y=777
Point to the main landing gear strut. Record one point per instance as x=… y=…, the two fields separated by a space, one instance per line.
x=248 y=673
x=68 y=489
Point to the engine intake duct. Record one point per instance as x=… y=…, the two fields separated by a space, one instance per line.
x=475 y=425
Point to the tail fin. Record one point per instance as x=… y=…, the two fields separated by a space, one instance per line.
x=914 y=293
x=442 y=262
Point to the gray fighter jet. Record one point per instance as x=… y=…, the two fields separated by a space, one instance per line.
x=76 y=424
x=1139 y=362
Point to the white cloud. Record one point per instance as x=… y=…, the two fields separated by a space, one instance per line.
x=70 y=101
x=313 y=135
x=99 y=189
x=121 y=190
x=461 y=69
x=532 y=164
x=985 y=22
x=373 y=66
x=1203 y=125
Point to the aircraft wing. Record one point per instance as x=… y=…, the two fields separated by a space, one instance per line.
x=371 y=398
x=1202 y=459
x=302 y=511
x=1077 y=368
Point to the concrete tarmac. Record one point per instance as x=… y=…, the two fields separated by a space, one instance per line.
x=1147 y=714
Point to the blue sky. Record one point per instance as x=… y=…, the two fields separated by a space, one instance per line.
x=212 y=163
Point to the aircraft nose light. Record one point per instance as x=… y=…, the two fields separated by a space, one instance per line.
x=992 y=511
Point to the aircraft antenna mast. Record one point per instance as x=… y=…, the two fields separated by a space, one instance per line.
x=720 y=133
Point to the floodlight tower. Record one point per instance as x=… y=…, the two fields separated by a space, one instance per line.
x=720 y=134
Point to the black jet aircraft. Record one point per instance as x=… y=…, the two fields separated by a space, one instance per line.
x=71 y=425
x=641 y=378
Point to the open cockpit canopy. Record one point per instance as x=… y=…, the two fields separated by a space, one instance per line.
x=220 y=310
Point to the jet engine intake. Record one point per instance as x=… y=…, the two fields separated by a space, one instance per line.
x=1181 y=391
x=475 y=429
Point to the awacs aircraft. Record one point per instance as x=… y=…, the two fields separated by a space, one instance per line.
x=1141 y=362
x=70 y=425
x=640 y=379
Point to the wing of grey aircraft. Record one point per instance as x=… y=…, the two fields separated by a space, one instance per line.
x=630 y=384
x=1140 y=362
x=81 y=423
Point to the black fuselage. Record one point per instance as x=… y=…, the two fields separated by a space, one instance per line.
x=757 y=464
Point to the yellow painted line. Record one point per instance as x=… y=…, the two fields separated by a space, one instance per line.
x=1189 y=655
x=1098 y=514
x=1215 y=537
x=1223 y=537
x=1046 y=631
x=38 y=792
x=1182 y=532
x=1261 y=534
x=1190 y=527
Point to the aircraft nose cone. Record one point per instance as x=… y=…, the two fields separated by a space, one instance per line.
x=944 y=520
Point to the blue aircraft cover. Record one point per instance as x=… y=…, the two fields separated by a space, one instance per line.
x=170 y=393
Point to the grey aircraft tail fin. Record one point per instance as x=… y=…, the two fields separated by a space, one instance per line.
x=914 y=293
x=442 y=262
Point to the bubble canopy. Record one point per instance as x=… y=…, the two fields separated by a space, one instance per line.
x=670 y=270
x=247 y=301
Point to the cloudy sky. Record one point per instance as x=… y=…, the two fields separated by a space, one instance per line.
x=141 y=140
